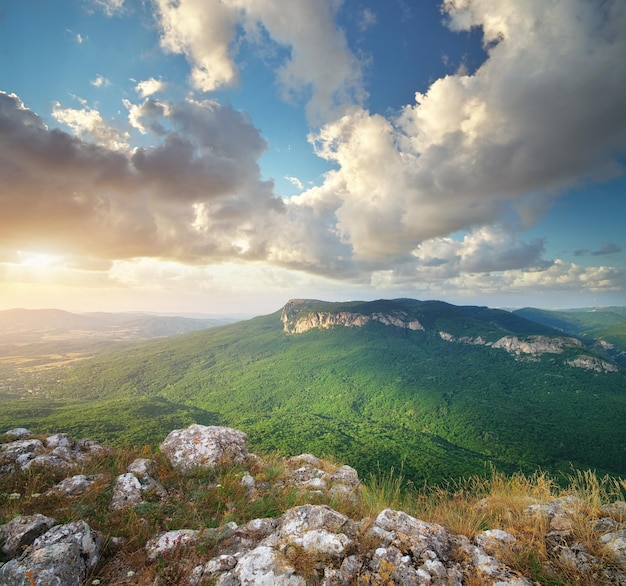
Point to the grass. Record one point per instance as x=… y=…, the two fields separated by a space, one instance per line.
x=207 y=500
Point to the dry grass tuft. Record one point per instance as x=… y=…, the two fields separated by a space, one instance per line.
x=211 y=498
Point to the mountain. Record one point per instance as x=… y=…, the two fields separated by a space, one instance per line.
x=19 y=326
x=602 y=328
x=437 y=389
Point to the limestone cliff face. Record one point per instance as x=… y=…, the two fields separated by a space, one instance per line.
x=536 y=345
x=593 y=363
x=301 y=315
x=297 y=319
x=533 y=347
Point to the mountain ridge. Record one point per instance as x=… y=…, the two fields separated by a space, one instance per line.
x=374 y=396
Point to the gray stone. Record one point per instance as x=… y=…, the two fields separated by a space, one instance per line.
x=617 y=510
x=205 y=447
x=75 y=485
x=493 y=540
x=163 y=543
x=616 y=543
x=59 y=440
x=22 y=531
x=18 y=432
x=126 y=492
x=13 y=450
x=304 y=460
x=347 y=476
x=247 y=481
x=142 y=468
x=64 y=555
x=264 y=566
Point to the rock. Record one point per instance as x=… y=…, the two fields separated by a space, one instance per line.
x=568 y=505
x=303 y=460
x=22 y=531
x=75 y=485
x=11 y=451
x=296 y=521
x=164 y=543
x=205 y=447
x=18 y=432
x=617 y=510
x=347 y=476
x=64 y=555
x=129 y=490
x=258 y=528
x=247 y=481
x=309 y=478
x=536 y=345
x=126 y=492
x=59 y=452
x=263 y=566
x=616 y=543
x=217 y=565
x=142 y=468
x=494 y=540
x=423 y=536
x=59 y=440
x=46 y=460
x=345 y=482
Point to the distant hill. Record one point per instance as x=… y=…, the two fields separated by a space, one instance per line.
x=437 y=389
x=19 y=326
x=603 y=328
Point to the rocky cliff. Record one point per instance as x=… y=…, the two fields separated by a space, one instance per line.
x=301 y=315
x=298 y=317
x=322 y=527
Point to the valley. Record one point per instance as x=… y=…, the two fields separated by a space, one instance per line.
x=437 y=390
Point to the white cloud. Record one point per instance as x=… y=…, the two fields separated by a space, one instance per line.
x=196 y=196
x=308 y=29
x=204 y=31
x=543 y=113
x=87 y=122
x=295 y=181
x=480 y=155
x=109 y=7
x=149 y=87
x=100 y=81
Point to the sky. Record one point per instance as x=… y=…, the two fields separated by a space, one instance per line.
x=225 y=156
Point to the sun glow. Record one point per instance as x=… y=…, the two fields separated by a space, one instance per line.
x=39 y=260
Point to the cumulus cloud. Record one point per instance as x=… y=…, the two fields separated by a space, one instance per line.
x=205 y=32
x=87 y=122
x=150 y=86
x=543 y=113
x=309 y=30
x=196 y=196
x=100 y=81
x=438 y=193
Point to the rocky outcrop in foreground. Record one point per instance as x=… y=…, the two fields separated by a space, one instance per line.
x=306 y=544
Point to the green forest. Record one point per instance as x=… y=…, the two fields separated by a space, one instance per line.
x=374 y=397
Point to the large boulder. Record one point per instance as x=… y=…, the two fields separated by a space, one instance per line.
x=21 y=531
x=201 y=446
x=63 y=555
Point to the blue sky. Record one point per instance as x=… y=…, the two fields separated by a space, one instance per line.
x=227 y=156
